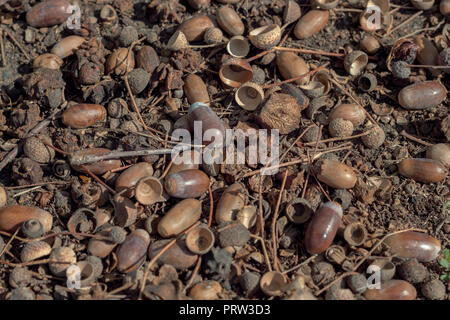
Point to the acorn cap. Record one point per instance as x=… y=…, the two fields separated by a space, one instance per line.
x=177 y=41
x=355 y=62
x=238 y=47
x=36 y=150
x=265 y=37
x=249 y=96
x=272 y=283
x=200 y=240
x=234 y=72
x=213 y=35
x=292 y=11
x=149 y=190
x=35 y=250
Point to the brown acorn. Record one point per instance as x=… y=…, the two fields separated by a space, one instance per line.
x=392 y=290
x=230 y=203
x=129 y=178
x=198 y=4
x=180 y=217
x=205 y=290
x=291 y=65
x=120 y=62
x=423 y=170
x=48 y=13
x=35 y=250
x=47 y=60
x=335 y=174
x=230 y=21
x=147 y=59
x=12 y=217
x=67 y=46
x=132 y=252
x=439 y=152
x=369 y=44
x=194 y=28
x=422 y=95
x=311 y=23
x=351 y=112
x=413 y=244
x=177 y=255
x=79 y=116
x=187 y=184
x=61 y=258
x=195 y=89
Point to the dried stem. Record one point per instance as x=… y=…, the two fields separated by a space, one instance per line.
x=9 y=242
x=2 y=48
x=263 y=245
x=301 y=264
x=274 y=224
x=9 y=33
x=404 y=23
x=411 y=137
x=316 y=52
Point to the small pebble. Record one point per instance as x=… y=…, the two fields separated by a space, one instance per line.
x=249 y=282
x=138 y=79
x=127 y=36
x=233 y=234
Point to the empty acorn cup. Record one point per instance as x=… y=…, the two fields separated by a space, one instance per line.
x=249 y=96
x=238 y=47
x=149 y=190
x=87 y=274
x=265 y=37
x=234 y=72
x=299 y=210
x=200 y=240
x=125 y=210
x=272 y=283
x=355 y=62
x=355 y=234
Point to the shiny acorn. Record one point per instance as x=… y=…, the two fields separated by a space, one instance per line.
x=12 y=217
x=187 y=184
x=80 y=116
x=195 y=89
x=132 y=252
x=180 y=217
x=230 y=203
x=230 y=21
x=311 y=23
x=212 y=127
x=349 y=111
x=323 y=227
x=335 y=174
x=129 y=178
x=67 y=46
x=411 y=244
x=194 y=28
x=422 y=95
x=48 y=13
x=392 y=290
x=188 y=159
x=423 y=170
x=291 y=65
x=178 y=255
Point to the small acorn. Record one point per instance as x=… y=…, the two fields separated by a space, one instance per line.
x=205 y=290
x=423 y=170
x=230 y=21
x=79 y=116
x=392 y=290
x=67 y=46
x=195 y=89
x=130 y=177
x=47 y=60
x=413 y=271
x=194 y=28
x=178 y=41
x=335 y=174
x=230 y=203
x=35 y=250
x=12 y=217
x=213 y=36
x=48 y=13
x=132 y=252
x=351 y=112
x=439 y=152
x=187 y=184
x=36 y=150
x=183 y=215
x=369 y=44
x=291 y=65
x=138 y=79
x=120 y=62
x=311 y=23
x=60 y=259
x=340 y=127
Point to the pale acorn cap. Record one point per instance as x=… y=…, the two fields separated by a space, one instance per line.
x=177 y=41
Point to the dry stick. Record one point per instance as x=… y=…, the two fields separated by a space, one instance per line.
x=404 y=23
x=266 y=256
x=9 y=242
x=2 y=48
x=346 y=274
x=423 y=30
x=274 y=223
x=25 y=191
x=77 y=160
x=13 y=153
x=338 y=139
x=267 y=86
x=133 y=102
x=89 y=172
x=155 y=258
x=427 y=66
x=17 y=43
x=411 y=137
x=354 y=99
x=296 y=140
x=317 y=52
x=36 y=184
x=300 y=265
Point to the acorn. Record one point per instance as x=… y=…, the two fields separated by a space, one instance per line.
x=281 y=111
x=265 y=37
x=311 y=23
x=292 y=12
x=213 y=36
x=422 y=4
x=335 y=174
x=35 y=250
x=230 y=21
x=422 y=95
x=200 y=240
x=138 y=79
x=100 y=167
x=195 y=89
x=177 y=255
x=47 y=60
x=32 y=229
x=273 y=283
x=129 y=178
x=177 y=41
x=132 y=252
x=3 y=196
x=423 y=170
x=36 y=150
x=230 y=203
x=355 y=62
x=188 y=159
x=60 y=259
x=206 y=290
x=351 y=112
x=290 y=65
x=80 y=116
x=147 y=59
x=234 y=72
x=375 y=138
x=194 y=28
x=249 y=96
x=439 y=152
x=238 y=47
x=67 y=46
x=212 y=127
x=369 y=44
x=101 y=248
x=427 y=54
x=120 y=62
x=355 y=234
x=187 y=184
x=392 y=290
x=411 y=244
x=199 y=4
x=340 y=128
x=180 y=217
x=444 y=7
x=12 y=217
x=323 y=227
x=48 y=13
